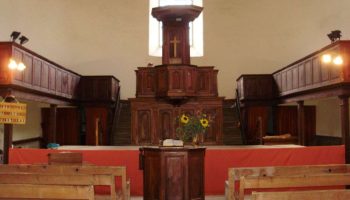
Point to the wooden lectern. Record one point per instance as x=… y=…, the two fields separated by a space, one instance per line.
x=172 y=173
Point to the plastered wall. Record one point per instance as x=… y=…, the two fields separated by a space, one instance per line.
x=111 y=36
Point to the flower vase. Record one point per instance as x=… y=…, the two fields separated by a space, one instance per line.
x=195 y=140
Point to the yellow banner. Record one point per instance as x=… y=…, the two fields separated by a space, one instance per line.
x=13 y=113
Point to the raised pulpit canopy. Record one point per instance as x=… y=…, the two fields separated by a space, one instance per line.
x=176 y=19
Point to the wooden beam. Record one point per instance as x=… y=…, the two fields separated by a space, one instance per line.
x=344 y=120
x=8 y=131
x=301 y=123
x=53 y=120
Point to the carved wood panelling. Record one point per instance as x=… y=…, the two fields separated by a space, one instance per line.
x=144 y=126
x=45 y=76
x=308 y=73
x=158 y=119
x=37 y=70
x=28 y=72
x=311 y=72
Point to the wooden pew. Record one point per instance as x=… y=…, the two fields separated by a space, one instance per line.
x=336 y=179
x=234 y=174
x=70 y=170
x=26 y=191
x=303 y=195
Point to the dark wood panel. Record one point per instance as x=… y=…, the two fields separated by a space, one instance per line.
x=52 y=78
x=45 y=76
x=286 y=120
x=295 y=78
x=144 y=127
x=301 y=75
x=64 y=83
x=172 y=173
x=18 y=56
x=325 y=71
x=58 y=81
x=308 y=73
x=176 y=175
x=165 y=125
x=257 y=87
x=67 y=128
x=37 y=72
x=153 y=119
x=98 y=88
x=316 y=69
x=28 y=72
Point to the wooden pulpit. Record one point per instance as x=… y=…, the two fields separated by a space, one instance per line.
x=172 y=173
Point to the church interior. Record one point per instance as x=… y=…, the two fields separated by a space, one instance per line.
x=174 y=99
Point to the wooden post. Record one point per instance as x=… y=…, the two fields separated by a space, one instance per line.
x=301 y=123
x=53 y=124
x=8 y=132
x=97 y=131
x=344 y=119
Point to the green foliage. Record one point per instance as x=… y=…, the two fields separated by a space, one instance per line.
x=191 y=125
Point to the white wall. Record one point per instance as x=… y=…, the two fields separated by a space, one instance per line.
x=111 y=36
x=328 y=117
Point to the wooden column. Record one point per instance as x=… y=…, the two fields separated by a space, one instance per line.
x=344 y=120
x=301 y=123
x=52 y=122
x=8 y=132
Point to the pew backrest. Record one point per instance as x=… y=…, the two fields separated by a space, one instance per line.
x=113 y=171
x=234 y=174
x=339 y=179
x=27 y=191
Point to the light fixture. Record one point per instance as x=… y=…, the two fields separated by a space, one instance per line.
x=326 y=58
x=23 y=39
x=334 y=35
x=21 y=66
x=15 y=35
x=12 y=64
x=338 y=60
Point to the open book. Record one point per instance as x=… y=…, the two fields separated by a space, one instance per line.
x=173 y=143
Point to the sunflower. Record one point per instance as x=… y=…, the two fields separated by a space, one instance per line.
x=184 y=119
x=204 y=122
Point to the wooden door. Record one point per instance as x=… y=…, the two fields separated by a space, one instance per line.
x=67 y=126
x=97 y=125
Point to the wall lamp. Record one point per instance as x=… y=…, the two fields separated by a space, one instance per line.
x=15 y=35
x=13 y=65
x=334 y=35
x=332 y=58
x=23 y=39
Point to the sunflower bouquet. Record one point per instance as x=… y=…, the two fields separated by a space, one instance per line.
x=191 y=126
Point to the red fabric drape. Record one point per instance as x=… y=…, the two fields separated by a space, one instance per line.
x=217 y=161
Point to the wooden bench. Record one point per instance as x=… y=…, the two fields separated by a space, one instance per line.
x=303 y=195
x=71 y=170
x=234 y=174
x=292 y=182
x=28 y=191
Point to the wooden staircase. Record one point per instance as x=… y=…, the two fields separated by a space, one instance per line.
x=122 y=133
x=231 y=130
